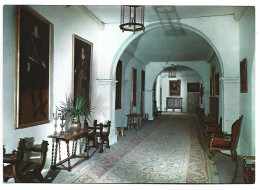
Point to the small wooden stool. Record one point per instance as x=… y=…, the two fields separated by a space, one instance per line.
x=121 y=131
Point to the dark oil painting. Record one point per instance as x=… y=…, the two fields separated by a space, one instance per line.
x=33 y=68
x=174 y=87
x=82 y=57
x=243 y=76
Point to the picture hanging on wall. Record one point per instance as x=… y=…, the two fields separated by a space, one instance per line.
x=217 y=83
x=243 y=76
x=33 y=63
x=81 y=69
x=134 y=86
x=212 y=81
x=193 y=87
x=174 y=87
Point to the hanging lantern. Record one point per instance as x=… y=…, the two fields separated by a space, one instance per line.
x=172 y=73
x=132 y=18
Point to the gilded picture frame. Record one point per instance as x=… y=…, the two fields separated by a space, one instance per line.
x=33 y=68
x=243 y=76
x=81 y=68
x=174 y=87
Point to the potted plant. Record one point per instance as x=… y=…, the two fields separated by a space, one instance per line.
x=79 y=109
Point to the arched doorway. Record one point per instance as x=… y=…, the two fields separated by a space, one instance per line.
x=132 y=43
x=189 y=92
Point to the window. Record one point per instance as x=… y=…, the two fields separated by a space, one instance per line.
x=118 y=104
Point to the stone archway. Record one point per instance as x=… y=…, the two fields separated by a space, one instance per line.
x=130 y=38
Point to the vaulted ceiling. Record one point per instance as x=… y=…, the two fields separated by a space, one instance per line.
x=111 y=13
x=157 y=46
x=170 y=43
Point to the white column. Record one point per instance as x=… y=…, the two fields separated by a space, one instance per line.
x=231 y=90
x=148 y=101
x=206 y=101
x=105 y=105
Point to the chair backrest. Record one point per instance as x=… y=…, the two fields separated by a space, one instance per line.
x=42 y=150
x=21 y=148
x=102 y=127
x=236 y=132
x=106 y=127
x=220 y=123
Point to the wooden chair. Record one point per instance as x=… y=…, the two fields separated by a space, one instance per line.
x=100 y=135
x=212 y=117
x=213 y=128
x=227 y=141
x=249 y=169
x=26 y=171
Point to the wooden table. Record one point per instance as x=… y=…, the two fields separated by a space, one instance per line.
x=67 y=137
x=134 y=120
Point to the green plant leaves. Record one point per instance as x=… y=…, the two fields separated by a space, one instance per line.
x=80 y=108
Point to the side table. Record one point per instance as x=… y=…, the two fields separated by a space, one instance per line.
x=67 y=137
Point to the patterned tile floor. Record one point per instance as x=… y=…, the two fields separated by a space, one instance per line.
x=229 y=172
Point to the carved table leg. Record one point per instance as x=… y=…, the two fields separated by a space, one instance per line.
x=86 y=147
x=75 y=148
x=52 y=152
x=68 y=152
x=55 y=155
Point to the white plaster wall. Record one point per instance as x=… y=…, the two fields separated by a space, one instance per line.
x=129 y=62
x=223 y=34
x=66 y=22
x=247 y=50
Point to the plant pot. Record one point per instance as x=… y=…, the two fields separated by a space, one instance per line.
x=75 y=125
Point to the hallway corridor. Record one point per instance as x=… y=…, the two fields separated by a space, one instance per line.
x=166 y=150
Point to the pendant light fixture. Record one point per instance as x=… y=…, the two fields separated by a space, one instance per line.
x=132 y=18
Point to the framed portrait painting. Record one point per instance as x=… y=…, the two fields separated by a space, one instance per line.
x=243 y=76
x=174 y=87
x=134 y=86
x=212 y=81
x=81 y=71
x=193 y=87
x=216 y=84
x=33 y=63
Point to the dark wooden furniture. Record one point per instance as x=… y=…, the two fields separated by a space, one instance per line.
x=157 y=112
x=121 y=131
x=213 y=128
x=227 y=141
x=67 y=137
x=99 y=135
x=212 y=117
x=249 y=169
x=25 y=171
x=134 y=120
x=173 y=103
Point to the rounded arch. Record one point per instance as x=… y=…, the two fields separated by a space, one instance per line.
x=132 y=37
x=153 y=26
x=174 y=66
